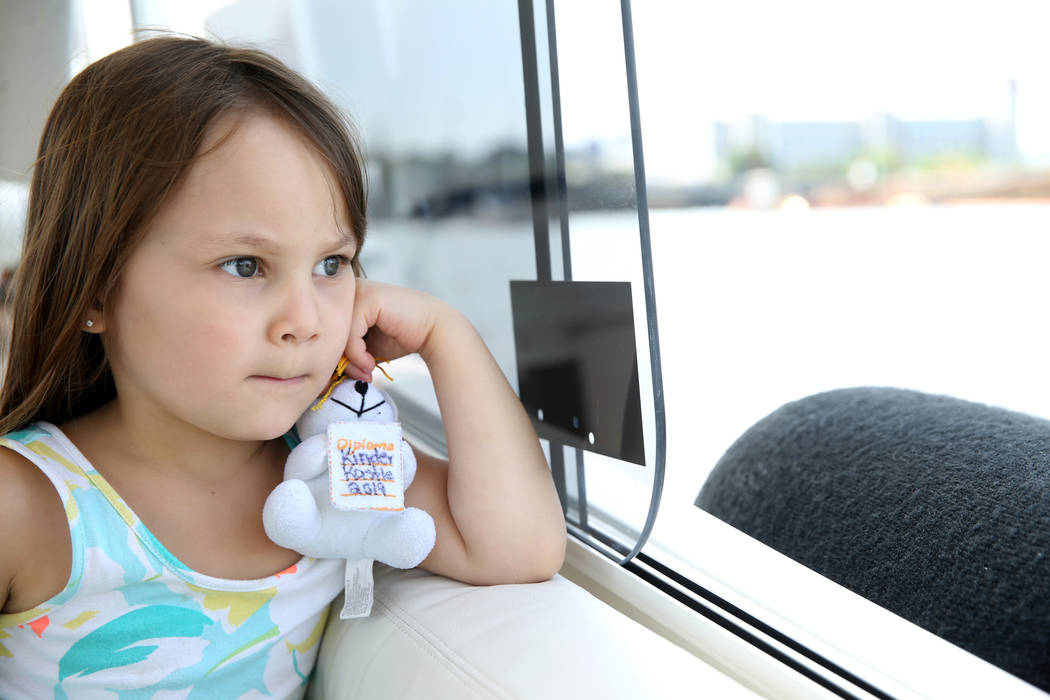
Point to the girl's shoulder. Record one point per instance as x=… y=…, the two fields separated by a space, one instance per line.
x=32 y=520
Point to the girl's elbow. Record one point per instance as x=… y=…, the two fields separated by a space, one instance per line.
x=556 y=558
x=545 y=558
x=534 y=561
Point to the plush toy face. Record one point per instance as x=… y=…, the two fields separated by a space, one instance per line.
x=351 y=401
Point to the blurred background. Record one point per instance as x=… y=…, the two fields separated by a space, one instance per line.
x=837 y=198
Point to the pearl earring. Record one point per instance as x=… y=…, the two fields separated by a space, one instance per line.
x=89 y=323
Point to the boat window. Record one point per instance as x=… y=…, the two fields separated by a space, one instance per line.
x=786 y=199
x=830 y=214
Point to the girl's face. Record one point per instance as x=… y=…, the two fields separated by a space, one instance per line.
x=235 y=308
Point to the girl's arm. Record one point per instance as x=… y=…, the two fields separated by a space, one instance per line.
x=494 y=504
x=35 y=549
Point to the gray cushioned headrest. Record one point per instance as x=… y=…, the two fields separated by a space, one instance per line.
x=935 y=508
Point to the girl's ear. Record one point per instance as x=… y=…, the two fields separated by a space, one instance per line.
x=95 y=321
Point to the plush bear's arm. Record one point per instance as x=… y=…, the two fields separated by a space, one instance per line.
x=308 y=459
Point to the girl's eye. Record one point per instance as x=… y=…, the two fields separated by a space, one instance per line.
x=241 y=267
x=330 y=266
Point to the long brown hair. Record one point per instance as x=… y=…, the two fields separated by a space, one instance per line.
x=119 y=138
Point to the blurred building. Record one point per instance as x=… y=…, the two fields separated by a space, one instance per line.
x=794 y=146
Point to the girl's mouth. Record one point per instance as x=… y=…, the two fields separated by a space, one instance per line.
x=298 y=379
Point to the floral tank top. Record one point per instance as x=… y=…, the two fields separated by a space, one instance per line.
x=134 y=622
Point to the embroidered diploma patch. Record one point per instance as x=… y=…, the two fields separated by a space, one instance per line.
x=364 y=466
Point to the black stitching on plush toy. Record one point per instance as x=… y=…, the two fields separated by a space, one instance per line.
x=362 y=410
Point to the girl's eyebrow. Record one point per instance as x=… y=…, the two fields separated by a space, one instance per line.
x=270 y=244
x=346 y=238
x=252 y=240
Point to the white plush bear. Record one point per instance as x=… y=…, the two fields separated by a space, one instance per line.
x=299 y=514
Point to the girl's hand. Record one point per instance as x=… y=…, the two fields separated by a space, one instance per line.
x=494 y=504
x=396 y=320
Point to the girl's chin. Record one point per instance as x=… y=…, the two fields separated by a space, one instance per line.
x=270 y=430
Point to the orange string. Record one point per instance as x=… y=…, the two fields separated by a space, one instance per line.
x=336 y=380
x=383 y=359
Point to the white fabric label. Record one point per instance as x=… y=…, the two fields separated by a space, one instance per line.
x=357 y=599
x=364 y=466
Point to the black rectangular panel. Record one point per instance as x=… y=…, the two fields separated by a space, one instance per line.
x=578 y=366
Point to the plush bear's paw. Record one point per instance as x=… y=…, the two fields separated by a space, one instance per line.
x=290 y=516
x=402 y=540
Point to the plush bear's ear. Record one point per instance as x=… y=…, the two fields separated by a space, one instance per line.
x=333 y=405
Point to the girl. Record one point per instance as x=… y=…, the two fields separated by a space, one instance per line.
x=189 y=279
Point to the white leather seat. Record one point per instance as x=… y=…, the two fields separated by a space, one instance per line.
x=431 y=637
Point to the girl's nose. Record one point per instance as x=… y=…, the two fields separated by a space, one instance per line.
x=296 y=319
